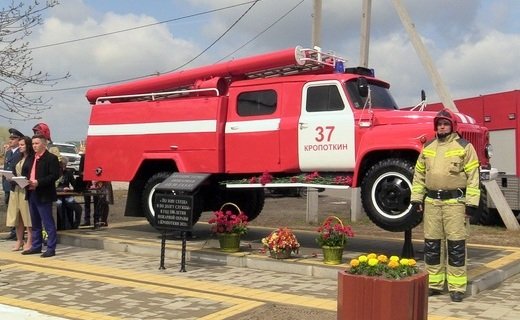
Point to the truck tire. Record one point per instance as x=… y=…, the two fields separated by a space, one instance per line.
x=385 y=194
x=147 y=198
x=250 y=201
x=486 y=216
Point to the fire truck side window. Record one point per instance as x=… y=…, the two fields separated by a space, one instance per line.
x=324 y=98
x=257 y=103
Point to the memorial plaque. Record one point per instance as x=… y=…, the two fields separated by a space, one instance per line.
x=173 y=212
x=183 y=181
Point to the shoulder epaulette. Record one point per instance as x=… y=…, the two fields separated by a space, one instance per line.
x=463 y=142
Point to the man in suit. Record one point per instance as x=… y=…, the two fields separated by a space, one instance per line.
x=12 y=156
x=41 y=193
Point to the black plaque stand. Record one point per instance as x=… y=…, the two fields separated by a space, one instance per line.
x=183 y=254
x=407 y=246
x=173 y=204
x=163 y=248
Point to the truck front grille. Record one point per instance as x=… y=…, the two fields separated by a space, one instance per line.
x=478 y=140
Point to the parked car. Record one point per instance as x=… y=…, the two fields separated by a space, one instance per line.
x=71 y=152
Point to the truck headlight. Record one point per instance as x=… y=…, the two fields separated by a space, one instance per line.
x=489 y=151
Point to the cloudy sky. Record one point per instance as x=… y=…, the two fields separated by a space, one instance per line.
x=474 y=44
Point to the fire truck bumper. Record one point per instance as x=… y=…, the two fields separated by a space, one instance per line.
x=488 y=174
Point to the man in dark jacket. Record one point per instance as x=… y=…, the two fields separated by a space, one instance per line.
x=44 y=172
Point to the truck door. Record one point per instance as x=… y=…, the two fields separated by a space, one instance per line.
x=253 y=131
x=325 y=129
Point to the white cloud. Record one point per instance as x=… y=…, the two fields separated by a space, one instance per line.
x=487 y=65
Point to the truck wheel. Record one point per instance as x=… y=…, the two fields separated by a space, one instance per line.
x=250 y=201
x=385 y=194
x=147 y=197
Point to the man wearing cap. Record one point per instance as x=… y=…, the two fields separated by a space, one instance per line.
x=446 y=180
x=12 y=156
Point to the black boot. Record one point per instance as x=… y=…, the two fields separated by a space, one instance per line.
x=457 y=296
x=77 y=215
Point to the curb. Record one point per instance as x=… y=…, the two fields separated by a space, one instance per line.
x=206 y=251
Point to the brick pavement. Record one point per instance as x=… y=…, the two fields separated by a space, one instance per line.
x=87 y=283
x=96 y=284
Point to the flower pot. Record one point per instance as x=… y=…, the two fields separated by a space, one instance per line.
x=229 y=242
x=375 y=298
x=332 y=255
x=284 y=254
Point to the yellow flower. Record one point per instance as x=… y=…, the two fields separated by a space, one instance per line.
x=381 y=266
x=382 y=258
x=372 y=262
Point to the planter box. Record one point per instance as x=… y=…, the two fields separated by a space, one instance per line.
x=372 y=298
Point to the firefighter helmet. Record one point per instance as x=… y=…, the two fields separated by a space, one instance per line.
x=43 y=129
x=446 y=114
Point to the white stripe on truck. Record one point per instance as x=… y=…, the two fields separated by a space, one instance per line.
x=152 y=128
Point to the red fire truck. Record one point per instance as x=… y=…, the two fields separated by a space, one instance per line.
x=287 y=112
x=500 y=113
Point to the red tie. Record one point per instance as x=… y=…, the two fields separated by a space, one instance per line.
x=33 y=169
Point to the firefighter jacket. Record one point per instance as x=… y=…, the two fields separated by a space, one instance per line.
x=447 y=165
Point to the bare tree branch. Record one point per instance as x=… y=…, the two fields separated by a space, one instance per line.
x=17 y=21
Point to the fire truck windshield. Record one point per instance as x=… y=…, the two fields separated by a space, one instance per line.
x=379 y=93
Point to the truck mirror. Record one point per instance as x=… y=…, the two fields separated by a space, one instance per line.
x=363 y=87
x=423 y=95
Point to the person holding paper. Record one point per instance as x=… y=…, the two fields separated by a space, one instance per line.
x=18 y=214
x=43 y=173
x=12 y=156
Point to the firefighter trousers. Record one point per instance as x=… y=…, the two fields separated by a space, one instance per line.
x=445 y=236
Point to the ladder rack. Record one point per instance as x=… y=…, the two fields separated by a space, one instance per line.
x=307 y=60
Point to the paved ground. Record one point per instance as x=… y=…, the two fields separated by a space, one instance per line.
x=121 y=280
x=113 y=273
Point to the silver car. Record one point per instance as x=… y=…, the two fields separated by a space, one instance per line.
x=71 y=152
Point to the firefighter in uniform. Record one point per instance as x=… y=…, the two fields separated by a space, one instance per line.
x=446 y=181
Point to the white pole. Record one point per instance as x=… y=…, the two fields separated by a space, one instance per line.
x=316 y=24
x=365 y=32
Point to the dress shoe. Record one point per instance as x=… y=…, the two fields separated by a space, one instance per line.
x=434 y=292
x=11 y=236
x=31 y=251
x=48 y=253
x=85 y=224
x=456 y=296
